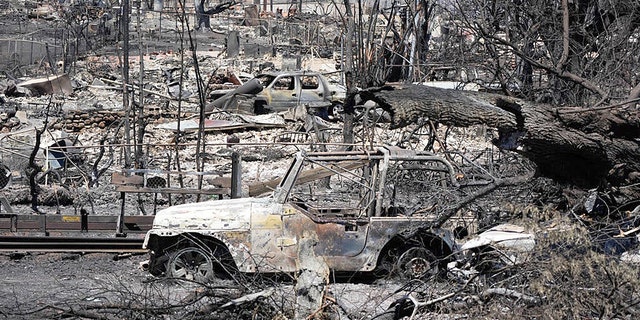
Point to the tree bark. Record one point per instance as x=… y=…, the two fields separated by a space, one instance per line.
x=586 y=148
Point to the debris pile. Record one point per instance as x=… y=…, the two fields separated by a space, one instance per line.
x=8 y=119
x=77 y=120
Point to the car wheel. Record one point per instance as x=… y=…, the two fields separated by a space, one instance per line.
x=260 y=107
x=191 y=263
x=335 y=112
x=416 y=263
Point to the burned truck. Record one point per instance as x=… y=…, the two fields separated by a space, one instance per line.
x=281 y=91
x=366 y=211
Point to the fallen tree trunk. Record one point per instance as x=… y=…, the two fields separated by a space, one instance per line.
x=585 y=148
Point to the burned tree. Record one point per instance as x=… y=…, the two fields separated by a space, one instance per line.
x=563 y=52
x=585 y=146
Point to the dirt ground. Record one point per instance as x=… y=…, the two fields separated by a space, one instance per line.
x=62 y=285
x=35 y=285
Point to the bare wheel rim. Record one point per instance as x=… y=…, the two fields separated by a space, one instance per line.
x=416 y=263
x=191 y=264
x=336 y=111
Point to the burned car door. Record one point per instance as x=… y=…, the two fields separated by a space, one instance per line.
x=340 y=236
x=322 y=205
x=287 y=91
x=283 y=93
x=275 y=237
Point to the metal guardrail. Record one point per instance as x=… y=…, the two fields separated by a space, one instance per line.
x=46 y=225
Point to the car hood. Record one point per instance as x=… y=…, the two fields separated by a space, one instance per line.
x=215 y=215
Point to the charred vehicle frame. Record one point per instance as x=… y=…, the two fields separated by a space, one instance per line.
x=359 y=206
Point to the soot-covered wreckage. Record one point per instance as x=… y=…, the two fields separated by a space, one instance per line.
x=368 y=211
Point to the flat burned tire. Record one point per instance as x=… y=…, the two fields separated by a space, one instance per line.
x=191 y=263
x=416 y=263
x=157 y=265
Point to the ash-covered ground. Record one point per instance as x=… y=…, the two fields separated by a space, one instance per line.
x=109 y=286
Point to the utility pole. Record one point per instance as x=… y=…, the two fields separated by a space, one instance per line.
x=125 y=81
x=140 y=127
x=125 y=105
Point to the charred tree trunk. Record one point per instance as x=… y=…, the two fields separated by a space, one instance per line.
x=586 y=147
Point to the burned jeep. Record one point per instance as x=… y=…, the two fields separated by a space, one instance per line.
x=366 y=210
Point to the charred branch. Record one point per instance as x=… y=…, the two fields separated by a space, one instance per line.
x=96 y=172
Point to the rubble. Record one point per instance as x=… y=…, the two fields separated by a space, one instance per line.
x=8 y=119
x=497 y=247
x=77 y=120
x=504 y=236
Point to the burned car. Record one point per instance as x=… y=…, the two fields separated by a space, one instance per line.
x=364 y=208
x=288 y=89
x=281 y=91
x=285 y=90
